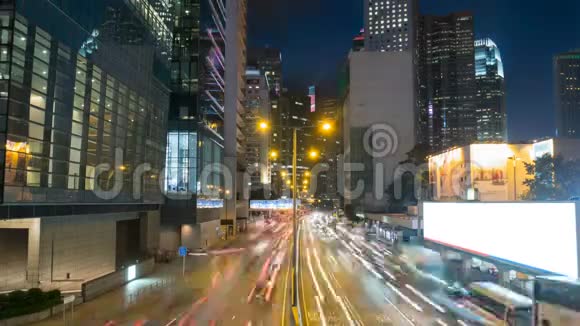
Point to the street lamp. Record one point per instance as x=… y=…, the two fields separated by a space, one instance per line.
x=515 y=159
x=325 y=127
x=273 y=155
x=263 y=125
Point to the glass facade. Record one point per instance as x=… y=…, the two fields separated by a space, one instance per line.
x=77 y=87
x=567 y=94
x=447 y=88
x=195 y=122
x=489 y=77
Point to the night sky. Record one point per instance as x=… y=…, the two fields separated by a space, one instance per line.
x=315 y=36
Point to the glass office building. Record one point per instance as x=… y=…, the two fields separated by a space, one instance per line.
x=193 y=178
x=490 y=111
x=84 y=101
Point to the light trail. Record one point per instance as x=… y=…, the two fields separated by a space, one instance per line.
x=331 y=288
x=404 y=297
x=320 y=311
x=426 y=299
x=316 y=285
x=440 y=322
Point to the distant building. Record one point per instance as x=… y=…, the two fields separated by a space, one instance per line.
x=390 y=25
x=269 y=62
x=358 y=42
x=379 y=104
x=567 y=94
x=330 y=146
x=490 y=111
x=258 y=108
x=447 y=86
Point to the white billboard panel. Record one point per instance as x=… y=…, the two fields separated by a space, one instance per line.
x=539 y=235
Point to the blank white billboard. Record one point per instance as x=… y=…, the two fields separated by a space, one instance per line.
x=538 y=235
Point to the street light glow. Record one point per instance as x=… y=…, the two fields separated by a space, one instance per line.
x=326 y=126
x=263 y=125
x=274 y=154
x=313 y=154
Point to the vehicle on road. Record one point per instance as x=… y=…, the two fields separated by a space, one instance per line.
x=557 y=301
x=512 y=308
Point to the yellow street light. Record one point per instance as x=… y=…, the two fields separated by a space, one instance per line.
x=288 y=182
x=313 y=154
x=263 y=125
x=283 y=174
x=307 y=173
x=326 y=126
x=305 y=182
x=273 y=154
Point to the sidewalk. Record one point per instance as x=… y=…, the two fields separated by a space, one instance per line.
x=162 y=294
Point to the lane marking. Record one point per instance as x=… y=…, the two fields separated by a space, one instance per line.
x=425 y=298
x=404 y=297
x=302 y=282
x=440 y=322
x=353 y=311
x=285 y=295
x=320 y=311
x=399 y=311
x=316 y=285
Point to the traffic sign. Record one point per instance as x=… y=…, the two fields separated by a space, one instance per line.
x=182 y=251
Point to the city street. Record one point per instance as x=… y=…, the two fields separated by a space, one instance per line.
x=340 y=286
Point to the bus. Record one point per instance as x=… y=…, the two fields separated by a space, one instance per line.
x=557 y=301
x=511 y=308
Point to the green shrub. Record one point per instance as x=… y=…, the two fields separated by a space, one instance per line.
x=17 y=303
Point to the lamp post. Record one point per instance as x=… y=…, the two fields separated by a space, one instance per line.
x=326 y=127
x=515 y=160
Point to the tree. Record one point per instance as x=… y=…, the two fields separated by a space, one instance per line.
x=541 y=184
x=552 y=179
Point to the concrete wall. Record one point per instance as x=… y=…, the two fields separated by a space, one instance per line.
x=169 y=237
x=192 y=236
x=64 y=251
x=78 y=248
x=382 y=93
x=96 y=287
x=150 y=231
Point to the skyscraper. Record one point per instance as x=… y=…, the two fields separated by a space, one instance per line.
x=235 y=68
x=199 y=120
x=567 y=94
x=389 y=25
x=195 y=127
x=269 y=62
x=84 y=110
x=447 y=85
x=257 y=143
x=490 y=111
x=330 y=146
